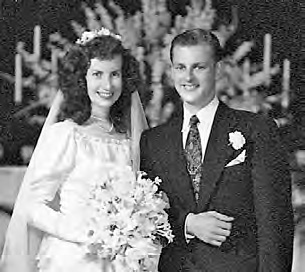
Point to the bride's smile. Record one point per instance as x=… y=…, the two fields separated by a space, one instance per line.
x=104 y=82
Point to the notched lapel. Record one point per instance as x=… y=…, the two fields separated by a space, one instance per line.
x=217 y=154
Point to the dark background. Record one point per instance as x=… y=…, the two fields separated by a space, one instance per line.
x=280 y=18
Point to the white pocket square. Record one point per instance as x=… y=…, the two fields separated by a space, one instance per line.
x=239 y=159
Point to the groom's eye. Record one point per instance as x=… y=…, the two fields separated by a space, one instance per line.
x=97 y=74
x=200 y=67
x=179 y=67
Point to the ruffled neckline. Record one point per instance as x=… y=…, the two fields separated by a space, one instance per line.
x=105 y=138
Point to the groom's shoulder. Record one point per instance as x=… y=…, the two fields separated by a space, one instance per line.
x=259 y=120
x=157 y=131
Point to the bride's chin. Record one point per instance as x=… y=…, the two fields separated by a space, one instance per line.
x=105 y=103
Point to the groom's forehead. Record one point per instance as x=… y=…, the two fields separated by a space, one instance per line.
x=193 y=53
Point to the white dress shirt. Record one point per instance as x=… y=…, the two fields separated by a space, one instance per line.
x=206 y=117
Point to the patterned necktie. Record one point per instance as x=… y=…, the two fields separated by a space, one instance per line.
x=193 y=154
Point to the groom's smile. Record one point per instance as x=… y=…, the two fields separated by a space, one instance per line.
x=193 y=72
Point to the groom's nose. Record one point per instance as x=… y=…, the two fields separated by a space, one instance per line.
x=189 y=74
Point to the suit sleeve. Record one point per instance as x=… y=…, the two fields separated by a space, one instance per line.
x=145 y=164
x=148 y=164
x=272 y=198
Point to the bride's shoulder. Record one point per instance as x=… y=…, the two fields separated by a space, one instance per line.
x=62 y=128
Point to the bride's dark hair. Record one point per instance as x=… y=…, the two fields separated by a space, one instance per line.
x=73 y=84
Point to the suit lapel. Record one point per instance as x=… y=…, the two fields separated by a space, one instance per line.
x=217 y=153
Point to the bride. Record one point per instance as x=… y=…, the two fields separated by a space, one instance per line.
x=101 y=122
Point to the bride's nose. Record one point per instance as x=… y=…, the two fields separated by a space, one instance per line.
x=106 y=82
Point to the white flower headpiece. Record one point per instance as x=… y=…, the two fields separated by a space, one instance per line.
x=89 y=35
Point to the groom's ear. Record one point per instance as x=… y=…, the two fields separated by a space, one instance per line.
x=171 y=67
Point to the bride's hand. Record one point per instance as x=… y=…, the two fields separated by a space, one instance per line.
x=210 y=227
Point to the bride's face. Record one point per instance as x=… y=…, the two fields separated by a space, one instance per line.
x=104 y=81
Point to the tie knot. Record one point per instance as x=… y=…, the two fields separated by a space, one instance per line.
x=194 y=120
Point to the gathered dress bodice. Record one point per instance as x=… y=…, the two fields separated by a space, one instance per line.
x=61 y=190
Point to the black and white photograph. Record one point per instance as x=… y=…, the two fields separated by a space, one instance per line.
x=152 y=136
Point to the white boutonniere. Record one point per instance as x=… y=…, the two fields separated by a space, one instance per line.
x=237 y=140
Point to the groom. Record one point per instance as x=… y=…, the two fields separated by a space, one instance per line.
x=224 y=171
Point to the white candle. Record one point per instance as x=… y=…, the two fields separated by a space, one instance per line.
x=286 y=75
x=246 y=69
x=246 y=76
x=54 y=67
x=286 y=84
x=267 y=56
x=36 y=41
x=54 y=61
x=18 y=78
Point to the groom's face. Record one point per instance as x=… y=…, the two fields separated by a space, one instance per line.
x=193 y=72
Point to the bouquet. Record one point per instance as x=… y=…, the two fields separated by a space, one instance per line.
x=127 y=221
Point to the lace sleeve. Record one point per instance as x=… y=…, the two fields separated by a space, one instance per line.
x=53 y=161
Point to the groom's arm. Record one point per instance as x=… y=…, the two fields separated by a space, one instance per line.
x=210 y=227
x=272 y=198
x=148 y=164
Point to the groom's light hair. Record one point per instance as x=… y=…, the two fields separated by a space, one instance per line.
x=197 y=36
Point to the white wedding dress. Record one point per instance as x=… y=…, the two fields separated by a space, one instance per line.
x=69 y=161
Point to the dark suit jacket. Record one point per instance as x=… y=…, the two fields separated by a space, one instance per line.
x=256 y=192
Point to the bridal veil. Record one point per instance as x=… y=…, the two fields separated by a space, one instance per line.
x=22 y=241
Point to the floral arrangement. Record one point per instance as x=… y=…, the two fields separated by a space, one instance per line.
x=148 y=33
x=127 y=221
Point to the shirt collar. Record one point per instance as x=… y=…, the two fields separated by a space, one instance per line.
x=203 y=114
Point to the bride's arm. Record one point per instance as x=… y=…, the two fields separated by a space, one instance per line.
x=52 y=161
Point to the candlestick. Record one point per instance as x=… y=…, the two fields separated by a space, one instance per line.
x=36 y=41
x=286 y=83
x=286 y=75
x=246 y=76
x=18 y=79
x=267 y=57
x=54 y=61
x=54 y=67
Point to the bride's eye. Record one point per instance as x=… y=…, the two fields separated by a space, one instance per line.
x=116 y=74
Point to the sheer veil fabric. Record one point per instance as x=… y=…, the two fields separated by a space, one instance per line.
x=22 y=241
x=138 y=124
